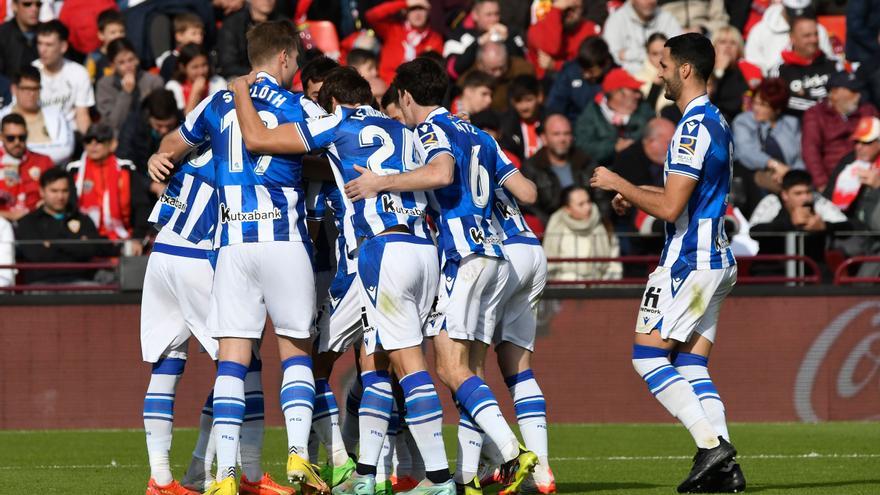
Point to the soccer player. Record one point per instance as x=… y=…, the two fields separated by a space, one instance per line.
x=678 y=316
x=396 y=264
x=264 y=262
x=174 y=306
x=461 y=168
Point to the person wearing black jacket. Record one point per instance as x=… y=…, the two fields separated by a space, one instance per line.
x=232 y=37
x=59 y=227
x=461 y=46
x=18 y=40
x=142 y=131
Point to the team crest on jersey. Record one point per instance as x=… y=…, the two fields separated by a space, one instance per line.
x=87 y=186
x=73 y=225
x=428 y=136
x=34 y=172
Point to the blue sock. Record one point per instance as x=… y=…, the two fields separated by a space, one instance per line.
x=297 y=402
x=695 y=369
x=424 y=416
x=229 y=411
x=373 y=416
x=531 y=411
x=479 y=401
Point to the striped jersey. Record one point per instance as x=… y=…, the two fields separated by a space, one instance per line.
x=189 y=204
x=322 y=198
x=508 y=216
x=465 y=206
x=366 y=137
x=702 y=150
x=261 y=198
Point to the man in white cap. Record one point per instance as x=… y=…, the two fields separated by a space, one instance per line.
x=769 y=37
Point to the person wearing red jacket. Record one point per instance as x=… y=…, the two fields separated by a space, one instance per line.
x=555 y=39
x=402 y=42
x=21 y=169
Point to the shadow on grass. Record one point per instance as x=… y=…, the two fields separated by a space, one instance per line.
x=819 y=484
x=605 y=485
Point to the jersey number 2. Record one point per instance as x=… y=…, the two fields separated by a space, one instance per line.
x=367 y=137
x=235 y=150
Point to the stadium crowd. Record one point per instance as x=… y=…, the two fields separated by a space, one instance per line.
x=89 y=87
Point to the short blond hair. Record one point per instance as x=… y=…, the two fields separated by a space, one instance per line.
x=734 y=33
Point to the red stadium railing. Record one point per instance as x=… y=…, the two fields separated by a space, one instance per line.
x=61 y=287
x=842 y=276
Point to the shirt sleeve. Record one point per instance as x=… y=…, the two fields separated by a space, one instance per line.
x=688 y=149
x=431 y=141
x=195 y=128
x=85 y=93
x=504 y=168
x=318 y=132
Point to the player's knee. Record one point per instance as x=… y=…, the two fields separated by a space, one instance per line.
x=643 y=357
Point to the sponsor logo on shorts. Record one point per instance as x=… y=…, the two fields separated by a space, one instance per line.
x=652 y=299
x=227 y=216
x=173 y=202
x=391 y=206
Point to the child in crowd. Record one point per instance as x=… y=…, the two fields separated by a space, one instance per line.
x=193 y=79
x=111 y=27
x=188 y=29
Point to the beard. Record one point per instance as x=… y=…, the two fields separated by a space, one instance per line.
x=673 y=89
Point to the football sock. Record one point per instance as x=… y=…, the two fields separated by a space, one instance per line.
x=373 y=416
x=326 y=422
x=470 y=443
x=424 y=417
x=694 y=368
x=252 y=428
x=674 y=392
x=203 y=454
x=402 y=460
x=476 y=398
x=350 y=426
x=314 y=445
x=159 y=415
x=297 y=401
x=531 y=411
x=385 y=466
x=229 y=410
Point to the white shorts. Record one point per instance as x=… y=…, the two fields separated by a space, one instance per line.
x=685 y=303
x=468 y=297
x=340 y=319
x=256 y=278
x=176 y=297
x=517 y=312
x=398 y=274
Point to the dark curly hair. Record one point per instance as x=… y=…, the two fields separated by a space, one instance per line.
x=774 y=92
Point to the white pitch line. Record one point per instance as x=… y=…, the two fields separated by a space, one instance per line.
x=811 y=455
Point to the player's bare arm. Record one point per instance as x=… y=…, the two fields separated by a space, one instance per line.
x=171 y=150
x=524 y=190
x=437 y=173
x=665 y=203
x=258 y=138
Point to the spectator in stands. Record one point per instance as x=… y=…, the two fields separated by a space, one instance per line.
x=698 y=16
x=111 y=27
x=805 y=68
x=402 y=41
x=581 y=79
x=462 y=46
x=770 y=37
x=628 y=28
x=642 y=162
x=313 y=74
x=5 y=94
x=556 y=166
x=576 y=231
x=142 y=131
x=476 y=93
x=493 y=59
x=364 y=61
x=49 y=133
x=194 y=79
x=652 y=86
x=767 y=141
x=862 y=27
x=188 y=29
x=108 y=191
x=65 y=84
x=51 y=225
x=733 y=77
x=519 y=128
x=19 y=190
x=232 y=57
x=18 y=46
x=7 y=252
x=828 y=126
x=557 y=37
x=122 y=92
x=616 y=120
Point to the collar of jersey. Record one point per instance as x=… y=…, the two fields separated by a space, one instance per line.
x=267 y=76
x=696 y=102
x=436 y=112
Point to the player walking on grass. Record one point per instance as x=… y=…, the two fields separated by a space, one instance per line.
x=263 y=263
x=461 y=169
x=396 y=264
x=678 y=316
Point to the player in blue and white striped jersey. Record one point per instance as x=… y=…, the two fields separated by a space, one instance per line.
x=397 y=264
x=264 y=259
x=680 y=307
x=461 y=167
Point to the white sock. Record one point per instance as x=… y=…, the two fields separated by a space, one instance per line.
x=694 y=368
x=374 y=415
x=479 y=402
x=350 y=424
x=424 y=416
x=159 y=416
x=417 y=471
x=531 y=411
x=202 y=460
x=674 y=392
x=252 y=428
x=297 y=401
x=229 y=407
x=470 y=444
x=385 y=466
x=325 y=423
x=314 y=445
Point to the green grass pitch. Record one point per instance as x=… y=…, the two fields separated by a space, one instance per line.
x=828 y=458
